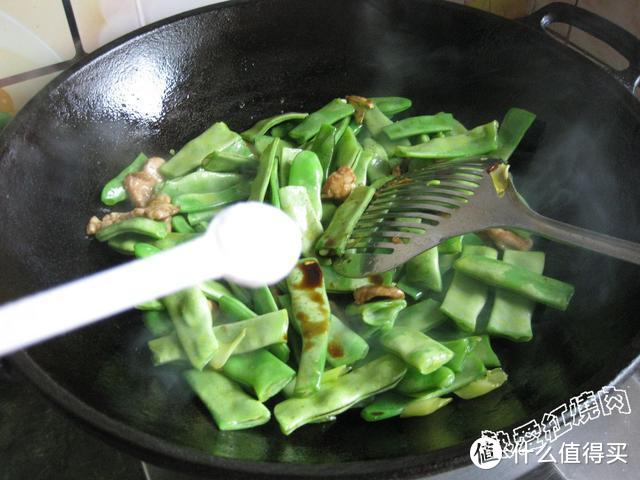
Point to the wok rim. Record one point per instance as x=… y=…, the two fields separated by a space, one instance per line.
x=157 y=450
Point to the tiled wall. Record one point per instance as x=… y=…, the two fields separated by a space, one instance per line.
x=36 y=41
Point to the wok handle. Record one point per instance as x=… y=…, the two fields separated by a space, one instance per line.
x=616 y=37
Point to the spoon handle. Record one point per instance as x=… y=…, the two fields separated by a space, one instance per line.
x=81 y=302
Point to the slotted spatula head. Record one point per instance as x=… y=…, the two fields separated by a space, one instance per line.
x=417 y=211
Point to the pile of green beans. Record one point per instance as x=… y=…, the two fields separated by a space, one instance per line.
x=304 y=349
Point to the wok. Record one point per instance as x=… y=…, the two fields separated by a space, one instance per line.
x=240 y=61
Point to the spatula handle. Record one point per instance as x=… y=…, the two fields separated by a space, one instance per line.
x=84 y=301
x=580 y=237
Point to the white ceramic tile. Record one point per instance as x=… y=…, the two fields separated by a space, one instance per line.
x=22 y=92
x=154 y=10
x=33 y=34
x=100 y=21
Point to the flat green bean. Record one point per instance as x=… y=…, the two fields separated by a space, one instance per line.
x=466 y=296
x=261 y=331
x=306 y=171
x=268 y=161
x=511 y=313
x=199 y=202
x=311 y=311
x=215 y=138
x=266 y=124
x=416 y=348
x=114 y=191
x=479 y=141
x=191 y=317
x=260 y=370
x=335 y=110
x=295 y=202
x=230 y=406
x=134 y=225
x=549 y=291
x=372 y=378
x=334 y=239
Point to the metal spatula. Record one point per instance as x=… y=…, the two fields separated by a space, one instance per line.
x=415 y=212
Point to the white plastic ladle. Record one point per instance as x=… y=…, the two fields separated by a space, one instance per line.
x=250 y=243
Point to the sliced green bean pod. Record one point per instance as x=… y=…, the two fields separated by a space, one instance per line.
x=345 y=346
x=485 y=352
x=226 y=349
x=372 y=378
x=323 y=146
x=381 y=313
x=157 y=322
x=114 y=191
x=264 y=302
x=416 y=382
x=460 y=347
x=172 y=239
x=408 y=127
x=215 y=138
x=199 y=202
x=180 y=224
x=284 y=166
x=151 y=305
x=423 y=270
x=334 y=239
x=306 y=171
x=266 y=124
x=234 y=308
x=274 y=187
x=421 y=316
x=421 y=407
x=126 y=243
x=479 y=141
x=166 y=349
x=295 y=202
x=548 y=291
x=230 y=406
x=348 y=150
x=466 y=296
x=191 y=317
x=214 y=290
x=451 y=245
x=196 y=219
x=472 y=369
x=262 y=331
x=335 y=110
x=375 y=122
x=200 y=181
x=511 y=313
x=387 y=405
x=515 y=124
x=268 y=161
x=136 y=225
x=417 y=349
x=492 y=379
x=379 y=166
x=391 y=105
x=336 y=283
x=260 y=370
x=311 y=311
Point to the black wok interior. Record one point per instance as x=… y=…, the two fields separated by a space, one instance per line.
x=241 y=61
